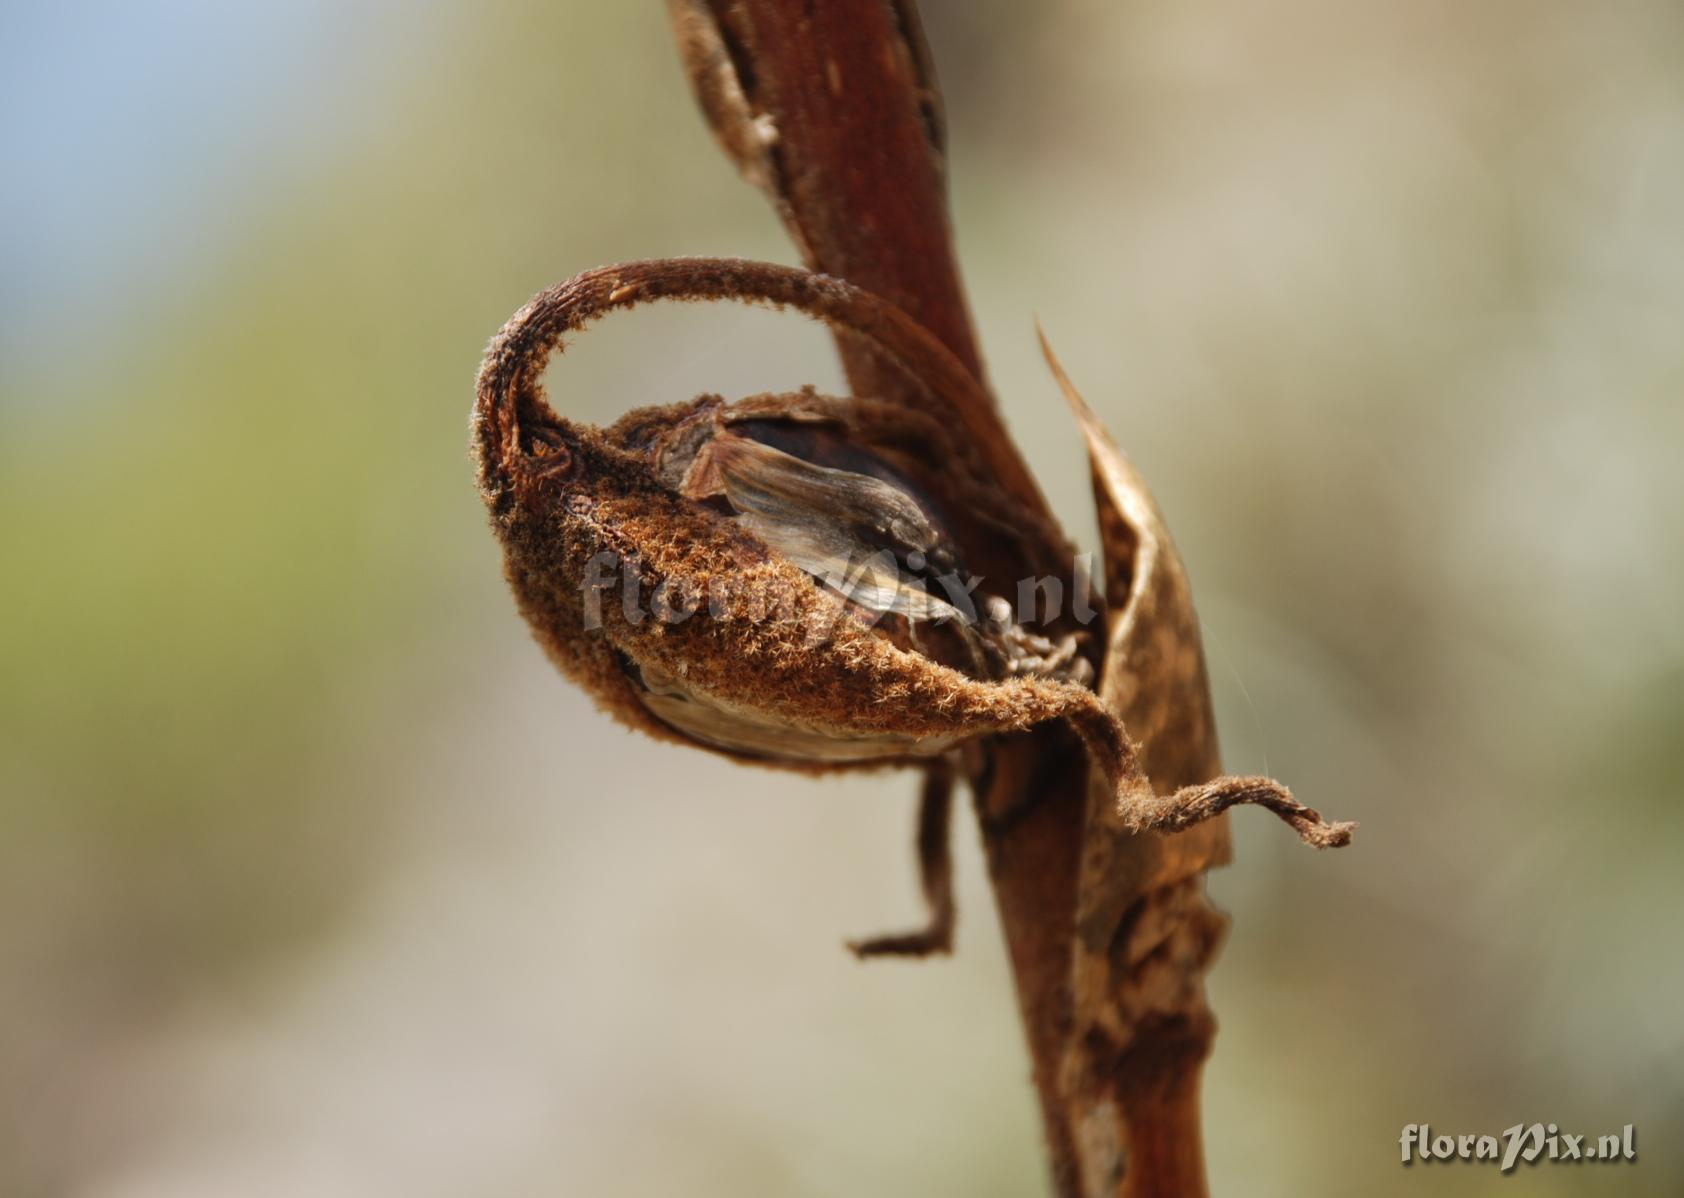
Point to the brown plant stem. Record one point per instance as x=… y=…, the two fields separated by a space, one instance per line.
x=833 y=110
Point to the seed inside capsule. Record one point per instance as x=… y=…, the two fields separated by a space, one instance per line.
x=867 y=537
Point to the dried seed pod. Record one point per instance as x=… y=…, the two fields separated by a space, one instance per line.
x=762 y=578
x=788 y=590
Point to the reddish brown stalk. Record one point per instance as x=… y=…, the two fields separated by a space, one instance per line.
x=832 y=109
x=1097 y=857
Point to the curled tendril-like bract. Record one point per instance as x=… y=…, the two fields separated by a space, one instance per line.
x=755 y=501
x=801 y=679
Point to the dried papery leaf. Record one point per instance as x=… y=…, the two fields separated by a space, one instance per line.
x=787 y=668
x=1154 y=670
x=1146 y=931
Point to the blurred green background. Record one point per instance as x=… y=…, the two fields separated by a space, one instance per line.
x=316 y=879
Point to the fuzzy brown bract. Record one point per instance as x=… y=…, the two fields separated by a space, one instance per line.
x=824 y=525
x=788 y=669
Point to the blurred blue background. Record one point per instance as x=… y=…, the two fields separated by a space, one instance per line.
x=316 y=879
